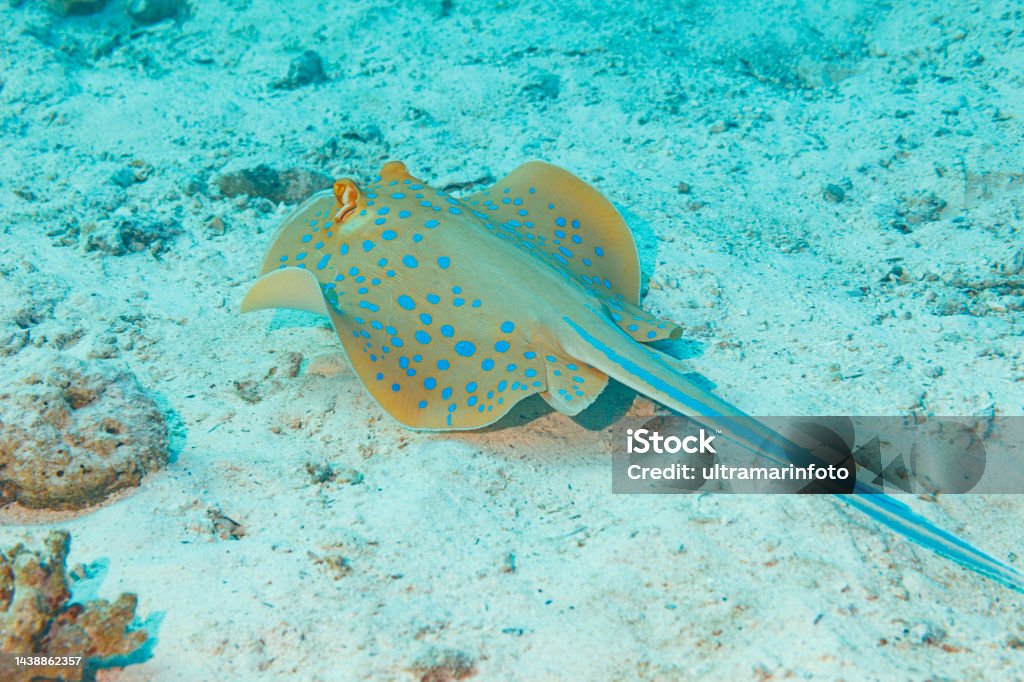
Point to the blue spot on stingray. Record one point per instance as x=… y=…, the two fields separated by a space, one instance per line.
x=284 y=258
x=587 y=262
x=446 y=393
x=409 y=261
x=529 y=355
x=507 y=327
x=443 y=364
x=376 y=325
x=422 y=337
x=560 y=221
x=456 y=290
x=458 y=302
x=417 y=238
x=380 y=221
x=383 y=210
x=502 y=385
x=430 y=383
x=421 y=404
x=406 y=302
x=388 y=235
x=391 y=330
x=369 y=306
x=306 y=238
x=434 y=298
x=501 y=346
x=430 y=224
x=323 y=262
x=477 y=303
x=550 y=358
x=487 y=365
x=560 y=234
x=451 y=408
x=471 y=387
x=511 y=368
x=396 y=387
x=301 y=256
x=397 y=342
x=598 y=250
x=565 y=252
x=343 y=249
x=443 y=262
x=465 y=349
x=403 y=363
x=447 y=330
x=455 y=211
x=472 y=400
x=576 y=239
x=426 y=318
x=404 y=214
x=379 y=376
x=368 y=245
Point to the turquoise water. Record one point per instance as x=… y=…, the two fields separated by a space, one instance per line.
x=826 y=197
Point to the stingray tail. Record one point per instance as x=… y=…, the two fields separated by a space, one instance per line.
x=645 y=370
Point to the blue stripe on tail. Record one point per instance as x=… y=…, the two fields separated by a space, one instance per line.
x=882 y=508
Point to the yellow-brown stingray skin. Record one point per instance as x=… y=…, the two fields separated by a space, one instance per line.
x=450 y=310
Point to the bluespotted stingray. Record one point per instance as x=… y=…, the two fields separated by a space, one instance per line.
x=452 y=310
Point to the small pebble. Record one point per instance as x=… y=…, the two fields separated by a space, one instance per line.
x=153 y=11
x=67 y=7
x=834 y=193
x=216 y=225
x=305 y=69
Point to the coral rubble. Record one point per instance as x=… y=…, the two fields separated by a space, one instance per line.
x=37 y=618
x=73 y=432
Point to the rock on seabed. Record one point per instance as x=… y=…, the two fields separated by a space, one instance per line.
x=73 y=432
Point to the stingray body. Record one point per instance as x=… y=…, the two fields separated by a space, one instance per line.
x=453 y=310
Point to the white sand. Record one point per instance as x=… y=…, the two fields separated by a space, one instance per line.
x=756 y=113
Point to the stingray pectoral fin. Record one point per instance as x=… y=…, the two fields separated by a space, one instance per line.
x=586 y=234
x=295 y=237
x=645 y=370
x=448 y=375
x=294 y=288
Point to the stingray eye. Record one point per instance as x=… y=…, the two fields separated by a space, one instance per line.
x=346 y=194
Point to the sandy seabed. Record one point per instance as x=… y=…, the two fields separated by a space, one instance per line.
x=828 y=197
